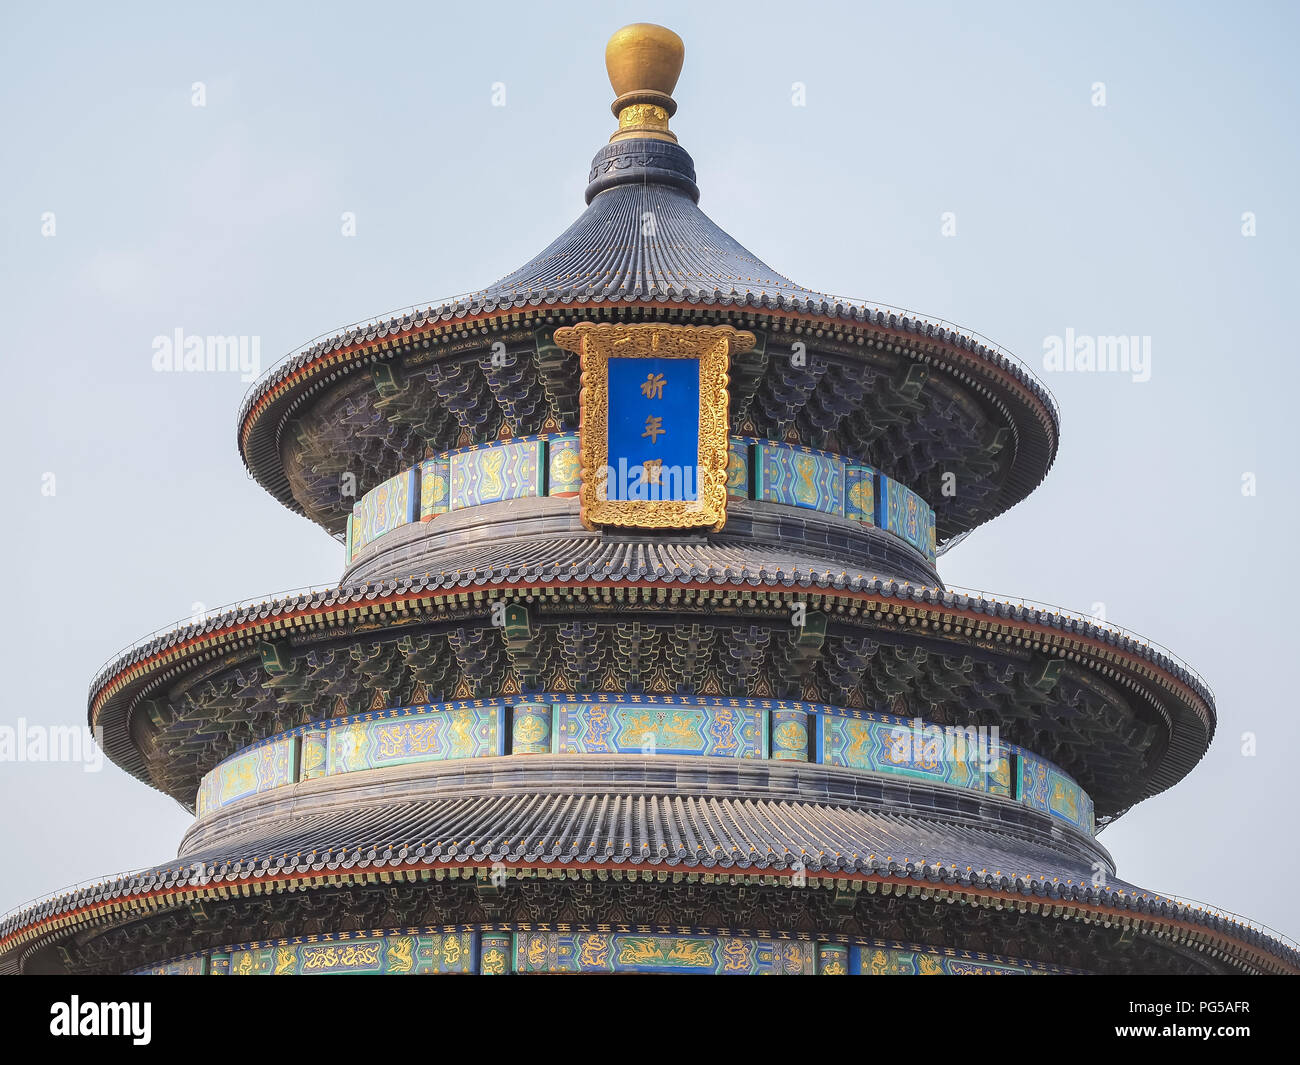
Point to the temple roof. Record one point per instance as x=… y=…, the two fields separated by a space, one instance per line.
x=676 y=831
x=644 y=236
x=544 y=538
x=647 y=831
x=639 y=562
x=644 y=247
x=1107 y=678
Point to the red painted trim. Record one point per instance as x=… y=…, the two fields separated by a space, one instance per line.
x=140 y=667
x=758 y=312
x=652 y=872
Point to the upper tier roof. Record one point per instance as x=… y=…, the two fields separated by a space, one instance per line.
x=644 y=236
x=913 y=397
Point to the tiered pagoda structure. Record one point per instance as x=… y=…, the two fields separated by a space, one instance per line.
x=640 y=661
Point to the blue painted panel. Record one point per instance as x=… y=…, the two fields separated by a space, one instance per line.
x=654 y=414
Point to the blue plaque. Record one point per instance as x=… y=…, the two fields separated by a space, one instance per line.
x=653 y=441
x=654 y=429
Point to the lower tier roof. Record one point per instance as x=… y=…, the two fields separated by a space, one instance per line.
x=621 y=831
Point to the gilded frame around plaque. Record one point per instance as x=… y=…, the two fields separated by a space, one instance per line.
x=713 y=346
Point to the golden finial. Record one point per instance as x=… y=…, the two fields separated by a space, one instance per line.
x=643 y=61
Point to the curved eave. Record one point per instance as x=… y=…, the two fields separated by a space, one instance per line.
x=1036 y=422
x=730 y=840
x=233 y=636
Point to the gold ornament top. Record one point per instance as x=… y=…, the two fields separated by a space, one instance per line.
x=643 y=119
x=644 y=61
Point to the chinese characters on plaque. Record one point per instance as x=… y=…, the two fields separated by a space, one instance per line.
x=653 y=428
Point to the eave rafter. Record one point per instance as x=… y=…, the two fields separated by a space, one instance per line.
x=920 y=884
x=942 y=660
x=926 y=410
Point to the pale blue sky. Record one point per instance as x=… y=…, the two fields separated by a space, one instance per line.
x=226 y=220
